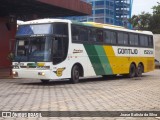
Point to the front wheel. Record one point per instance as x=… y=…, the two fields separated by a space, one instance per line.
x=75 y=74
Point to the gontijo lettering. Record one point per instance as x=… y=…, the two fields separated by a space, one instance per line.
x=127 y=51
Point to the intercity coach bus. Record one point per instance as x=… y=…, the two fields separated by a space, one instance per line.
x=49 y=49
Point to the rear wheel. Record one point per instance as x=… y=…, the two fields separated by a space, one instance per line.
x=139 y=70
x=132 y=71
x=75 y=74
x=44 y=81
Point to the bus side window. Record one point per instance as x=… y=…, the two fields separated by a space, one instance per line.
x=133 y=39
x=150 y=41
x=136 y=40
x=99 y=34
x=83 y=34
x=113 y=37
x=146 y=40
x=92 y=34
x=143 y=40
x=107 y=35
x=75 y=33
x=120 y=38
x=125 y=37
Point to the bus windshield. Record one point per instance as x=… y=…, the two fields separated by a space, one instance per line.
x=42 y=43
x=37 y=29
x=33 y=49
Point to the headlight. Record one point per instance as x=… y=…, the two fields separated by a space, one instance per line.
x=15 y=74
x=15 y=67
x=41 y=73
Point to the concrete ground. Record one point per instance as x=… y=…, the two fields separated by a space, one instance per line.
x=94 y=94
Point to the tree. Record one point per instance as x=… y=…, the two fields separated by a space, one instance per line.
x=156 y=9
x=146 y=21
x=134 y=21
x=154 y=24
x=140 y=21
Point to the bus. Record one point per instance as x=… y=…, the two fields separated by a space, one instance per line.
x=54 y=49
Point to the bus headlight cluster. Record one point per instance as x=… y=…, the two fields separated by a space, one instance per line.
x=15 y=74
x=41 y=73
x=15 y=67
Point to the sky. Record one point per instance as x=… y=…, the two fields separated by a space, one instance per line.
x=143 y=5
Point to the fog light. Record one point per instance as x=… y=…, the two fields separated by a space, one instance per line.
x=15 y=74
x=41 y=73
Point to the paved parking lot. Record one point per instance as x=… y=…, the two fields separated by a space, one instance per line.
x=94 y=94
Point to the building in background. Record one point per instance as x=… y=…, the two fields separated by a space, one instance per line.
x=114 y=12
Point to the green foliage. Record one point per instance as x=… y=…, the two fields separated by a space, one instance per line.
x=156 y=9
x=154 y=24
x=146 y=21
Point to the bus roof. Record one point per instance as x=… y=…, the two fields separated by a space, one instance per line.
x=94 y=24
x=46 y=20
x=118 y=28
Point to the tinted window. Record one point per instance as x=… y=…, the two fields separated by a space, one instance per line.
x=107 y=36
x=79 y=33
x=99 y=34
x=75 y=33
x=150 y=41
x=143 y=40
x=113 y=37
x=83 y=34
x=125 y=37
x=136 y=41
x=133 y=39
x=110 y=37
x=92 y=34
x=120 y=38
x=60 y=28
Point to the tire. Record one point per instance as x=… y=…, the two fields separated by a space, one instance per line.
x=75 y=74
x=44 y=81
x=132 y=71
x=139 y=70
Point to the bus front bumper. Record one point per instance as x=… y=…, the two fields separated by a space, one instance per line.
x=33 y=74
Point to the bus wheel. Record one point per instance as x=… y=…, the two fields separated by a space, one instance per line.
x=75 y=74
x=44 y=81
x=139 y=70
x=132 y=71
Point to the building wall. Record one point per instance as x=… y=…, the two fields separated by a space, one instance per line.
x=114 y=12
x=7 y=34
x=157 y=46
